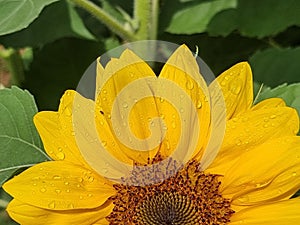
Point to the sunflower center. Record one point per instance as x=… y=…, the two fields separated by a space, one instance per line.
x=187 y=197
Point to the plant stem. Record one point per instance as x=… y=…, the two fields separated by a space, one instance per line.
x=142 y=14
x=154 y=20
x=106 y=18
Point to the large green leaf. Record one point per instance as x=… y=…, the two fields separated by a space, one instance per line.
x=193 y=18
x=57 y=20
x=18 y=14
x=257 y=18
x=20 y=145
x=290 y=94
x=275 y=66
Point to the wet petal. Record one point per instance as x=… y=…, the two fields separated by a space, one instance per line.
x=27 y=215
x=268 y=173
x=279 y=213
x=57 y=132
x=192 y=94
x=252 y=129
x=269 y=103
x=125 y=82
x=237 y=87
x=60 y=186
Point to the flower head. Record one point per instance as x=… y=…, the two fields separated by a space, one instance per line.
x=159 y=159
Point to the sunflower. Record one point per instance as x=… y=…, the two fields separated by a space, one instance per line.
x=248 y=180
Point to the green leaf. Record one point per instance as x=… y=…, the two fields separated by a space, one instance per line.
x=223 y=23
x=289 y=93
x=18 y=14
x=20 y=145
x=194 y=18
x=275 y=66
x=56 y=21
x=257 y=18
x=263 y=18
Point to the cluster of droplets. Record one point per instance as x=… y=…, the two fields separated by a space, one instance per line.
x=59 y=186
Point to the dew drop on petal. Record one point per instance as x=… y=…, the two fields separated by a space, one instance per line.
x=43 y=190
x=199 y=104
x=60 y=155
x=71 y=206
x=294 y=174
x=58 y=191
x=68 y=190
x=56 y=177
x=51 y=205
x=273 y=116
x=91 y=179
x=66 y=183
x=189 y=85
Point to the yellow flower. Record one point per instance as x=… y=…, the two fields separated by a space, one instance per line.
x=250 y=181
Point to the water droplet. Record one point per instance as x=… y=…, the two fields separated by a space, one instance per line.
x=173 y=124
x=181 y=110
x=223 y=83
x=189 y=85
x=104 y=91
x=58 y=191
x=43 y=190
x=90 y=195
x=104 y=143
x=56 y=177
x=34 y=184
x=80 y=197
x=131 y=74
x=108 y=116
x=161 y=99
x=80 y=179
x=294 y=174
x=104 y=98
x=51 y=205
x=199 y=104
x=235 y=86
x=68 y=190
x=71 y=206
x=78 y=185
x=266 y=125
x=91 y=179
x=68 y=112
x=273 y=116
x=66 y=183
x=125 y=105
x=226 y=77
x=73 y=133
x=238 y=142
x=243 y=199
x=60 y=155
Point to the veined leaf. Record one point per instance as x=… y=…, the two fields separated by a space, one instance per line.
x=20 y=144
x=18 y=14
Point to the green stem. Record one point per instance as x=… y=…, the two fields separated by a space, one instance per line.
x=154 y=20
x=142 y=14
x=3 y=203
x=15 y=65
x=106 y=18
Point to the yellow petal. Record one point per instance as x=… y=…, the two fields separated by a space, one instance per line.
x=191 y=94
x=26 y=214
x=99 y=77
x=236 y=84
x=57 y=132
x=268 y=173
x=269 y=103
x=279 y=213
x=126 y=115
x=252 y=129
x=60 y=186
